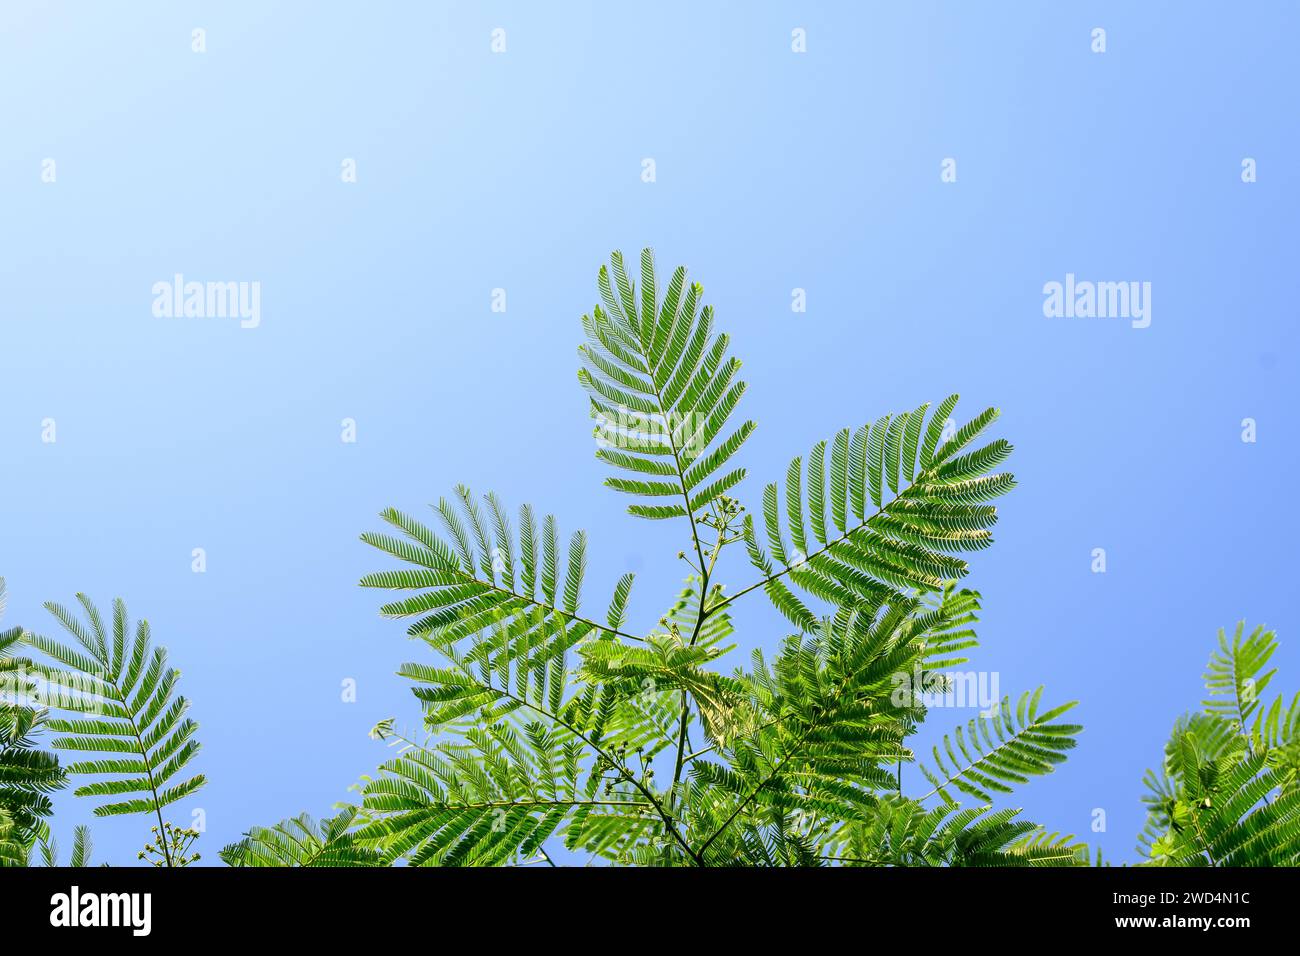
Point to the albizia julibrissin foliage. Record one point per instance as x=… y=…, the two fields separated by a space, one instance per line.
x=549 y=725
x=1228 y=792
x=28 y=775
x=546 y=725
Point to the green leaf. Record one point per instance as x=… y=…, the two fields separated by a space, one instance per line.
x=302 y=842
x=662 y=390
x=907 y=538
x=121 y=695
x=998 y=751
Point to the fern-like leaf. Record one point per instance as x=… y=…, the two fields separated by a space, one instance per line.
x=129 y=722
x=302 y=842
x=662 y=390
x=995 y=752
x=27 y=774
x=885 y=516
x=1235 y=675
x=482 y=578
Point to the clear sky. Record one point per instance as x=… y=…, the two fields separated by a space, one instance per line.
x=521 y=170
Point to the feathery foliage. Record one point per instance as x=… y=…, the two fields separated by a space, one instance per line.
x=662 y=390
x=82 y=849
x=884 y=515
x=545 y=727
x=301 y=841
x=900 y=832
x=13 y=852
x=1228 y=793
x=118 y=691
x=27 y=775
x=1001 y=749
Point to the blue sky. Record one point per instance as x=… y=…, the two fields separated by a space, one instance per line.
x=522 y=170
